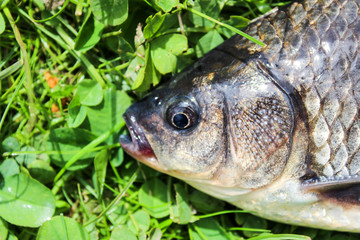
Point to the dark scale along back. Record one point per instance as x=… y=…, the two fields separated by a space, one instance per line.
x=275 y=129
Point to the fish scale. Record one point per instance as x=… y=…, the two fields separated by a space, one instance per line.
x=274 y=130
x=298 y=40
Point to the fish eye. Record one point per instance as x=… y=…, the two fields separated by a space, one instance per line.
x=180 y=120
x=181 y=115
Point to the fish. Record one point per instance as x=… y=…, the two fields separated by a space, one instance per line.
x=274 y=129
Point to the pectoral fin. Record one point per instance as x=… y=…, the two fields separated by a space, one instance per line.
x=344 y=190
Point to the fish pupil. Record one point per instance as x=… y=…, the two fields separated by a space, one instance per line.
x=180 y=120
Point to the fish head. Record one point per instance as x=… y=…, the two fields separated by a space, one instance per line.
x=179 y=128
x=210 y=126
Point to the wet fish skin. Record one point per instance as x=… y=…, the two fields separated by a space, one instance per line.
x=277 y=129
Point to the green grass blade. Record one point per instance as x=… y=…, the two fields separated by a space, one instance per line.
x=28 y=76
x=49 y=18
x=10 y=70
x=227 y=26
x=221 y=213
x=11 y=100
x=88 y=148
x=280 y=237
x=117 y=199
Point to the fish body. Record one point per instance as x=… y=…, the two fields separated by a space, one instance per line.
x=274 y=130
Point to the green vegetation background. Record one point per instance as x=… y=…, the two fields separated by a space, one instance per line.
x=68 y=71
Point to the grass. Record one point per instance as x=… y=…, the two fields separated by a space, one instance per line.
x=67 y=74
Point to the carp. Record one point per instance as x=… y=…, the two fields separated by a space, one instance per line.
x=274 y=130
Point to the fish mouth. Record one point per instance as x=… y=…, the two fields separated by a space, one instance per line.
x=136 y=145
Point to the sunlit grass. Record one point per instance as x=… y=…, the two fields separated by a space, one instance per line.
x=66 y=78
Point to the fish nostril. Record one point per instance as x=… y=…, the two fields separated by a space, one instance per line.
x=151 y=100
x=156 y=101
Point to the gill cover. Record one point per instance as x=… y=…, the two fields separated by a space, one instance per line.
x=261 y=122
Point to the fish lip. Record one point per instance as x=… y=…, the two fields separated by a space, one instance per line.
x=137 y=144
